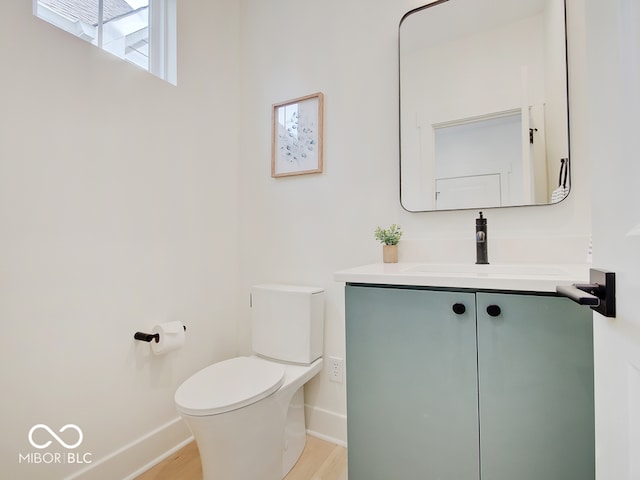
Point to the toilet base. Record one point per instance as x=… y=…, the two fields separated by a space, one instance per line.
x=250 y=452
x=295 y=434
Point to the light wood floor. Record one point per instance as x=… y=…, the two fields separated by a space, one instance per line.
x=320 y=460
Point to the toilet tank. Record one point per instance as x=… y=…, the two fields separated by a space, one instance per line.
x=287 y=322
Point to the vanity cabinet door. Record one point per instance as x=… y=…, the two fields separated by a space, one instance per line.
x=535 y=367
x=411 y=384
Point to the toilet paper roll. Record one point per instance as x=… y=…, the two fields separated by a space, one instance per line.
x=172 y=337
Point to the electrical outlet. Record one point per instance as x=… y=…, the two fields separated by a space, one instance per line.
x=336 y=369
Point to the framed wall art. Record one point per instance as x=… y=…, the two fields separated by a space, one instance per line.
x=297 y=136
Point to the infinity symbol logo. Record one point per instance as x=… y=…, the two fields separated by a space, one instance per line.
x=53 y=434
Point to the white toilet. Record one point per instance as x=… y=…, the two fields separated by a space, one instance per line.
x=247 y=413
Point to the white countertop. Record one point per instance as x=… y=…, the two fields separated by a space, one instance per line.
x=517 y=277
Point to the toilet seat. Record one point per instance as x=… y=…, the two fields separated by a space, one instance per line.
x=229 y=385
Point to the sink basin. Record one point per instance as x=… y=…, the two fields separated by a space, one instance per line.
x=498 y=270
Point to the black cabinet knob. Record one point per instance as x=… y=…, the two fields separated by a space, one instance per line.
x=493 y=310
x=459 y=308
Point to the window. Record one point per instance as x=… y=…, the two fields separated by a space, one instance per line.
x=142 y=32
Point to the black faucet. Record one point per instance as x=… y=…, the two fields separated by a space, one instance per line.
x=482 y=256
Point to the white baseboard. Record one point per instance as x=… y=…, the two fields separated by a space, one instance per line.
x=133 y=459
x=326 y=425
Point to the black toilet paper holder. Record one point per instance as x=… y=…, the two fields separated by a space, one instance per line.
x=148 y=337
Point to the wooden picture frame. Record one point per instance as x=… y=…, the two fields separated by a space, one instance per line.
x=296 y=147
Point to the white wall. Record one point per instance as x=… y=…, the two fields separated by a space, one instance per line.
x=118 y=210
x=125 y=201
x=302 y=229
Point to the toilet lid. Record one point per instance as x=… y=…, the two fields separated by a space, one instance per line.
x=229 y=385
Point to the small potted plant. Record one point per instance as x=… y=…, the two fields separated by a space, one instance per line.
x=389 y=238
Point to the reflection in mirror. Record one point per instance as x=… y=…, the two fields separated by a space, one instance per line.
x=483 y=104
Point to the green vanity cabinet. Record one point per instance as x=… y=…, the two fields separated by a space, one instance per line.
x=461 y=385
x=535 y=371
x=412 y=394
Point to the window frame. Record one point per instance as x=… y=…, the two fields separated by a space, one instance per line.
x=162 y=35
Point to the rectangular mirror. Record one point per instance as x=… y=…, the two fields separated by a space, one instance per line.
x=483 y=104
